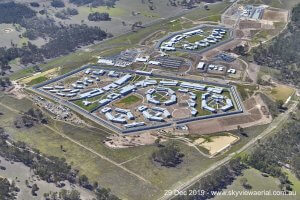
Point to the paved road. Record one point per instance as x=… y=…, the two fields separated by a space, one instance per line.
x=282 y=118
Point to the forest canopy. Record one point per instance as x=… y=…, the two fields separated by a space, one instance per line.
x=283 y=53
x=109 y=3
x=13 y=13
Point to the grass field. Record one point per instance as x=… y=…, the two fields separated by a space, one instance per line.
x=201 y=112
x=213 y=18
x=246 y=91
x=258 y=183
x=89 y=107
x=128 y=101
x=194 y=39
x=295 y=182
x=11 y=37
x=39 y=77
x=37 y=80
x=113 y=12
x=281 y=92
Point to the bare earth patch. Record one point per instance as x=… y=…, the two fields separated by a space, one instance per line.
x=219 y=143
x=118 y=141
x=275 y=16
x=181 y=113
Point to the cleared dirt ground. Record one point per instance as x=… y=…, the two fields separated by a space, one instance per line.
x=275 y=15
x=219 y=143
x=181 y=113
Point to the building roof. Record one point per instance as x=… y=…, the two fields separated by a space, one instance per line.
x=123 y=79
x=127 y=88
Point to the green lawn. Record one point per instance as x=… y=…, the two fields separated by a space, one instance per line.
x=113 y=12
x=201 y=112
x=89 y=107
x=213 y=18
x=127 y=101
x=37 y=80
x=195 y=38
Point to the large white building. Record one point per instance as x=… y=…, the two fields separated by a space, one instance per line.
x=91 y=93
x=123 y=79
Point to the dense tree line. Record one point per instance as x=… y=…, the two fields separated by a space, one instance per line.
x=8 y=190
x=13 y=12
x=168 y=156
x=96 y=16
x=280 y=150
x=275 y=108
x=63 y=39
x=49 y=168
x=57 y=4
x=30 y=118
x=66 y=13
x=4 y=83
x=34 y=4
x=283 y=53
x=27 y=54
x=94 y=3
x=215 y=181
x=63 y=195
